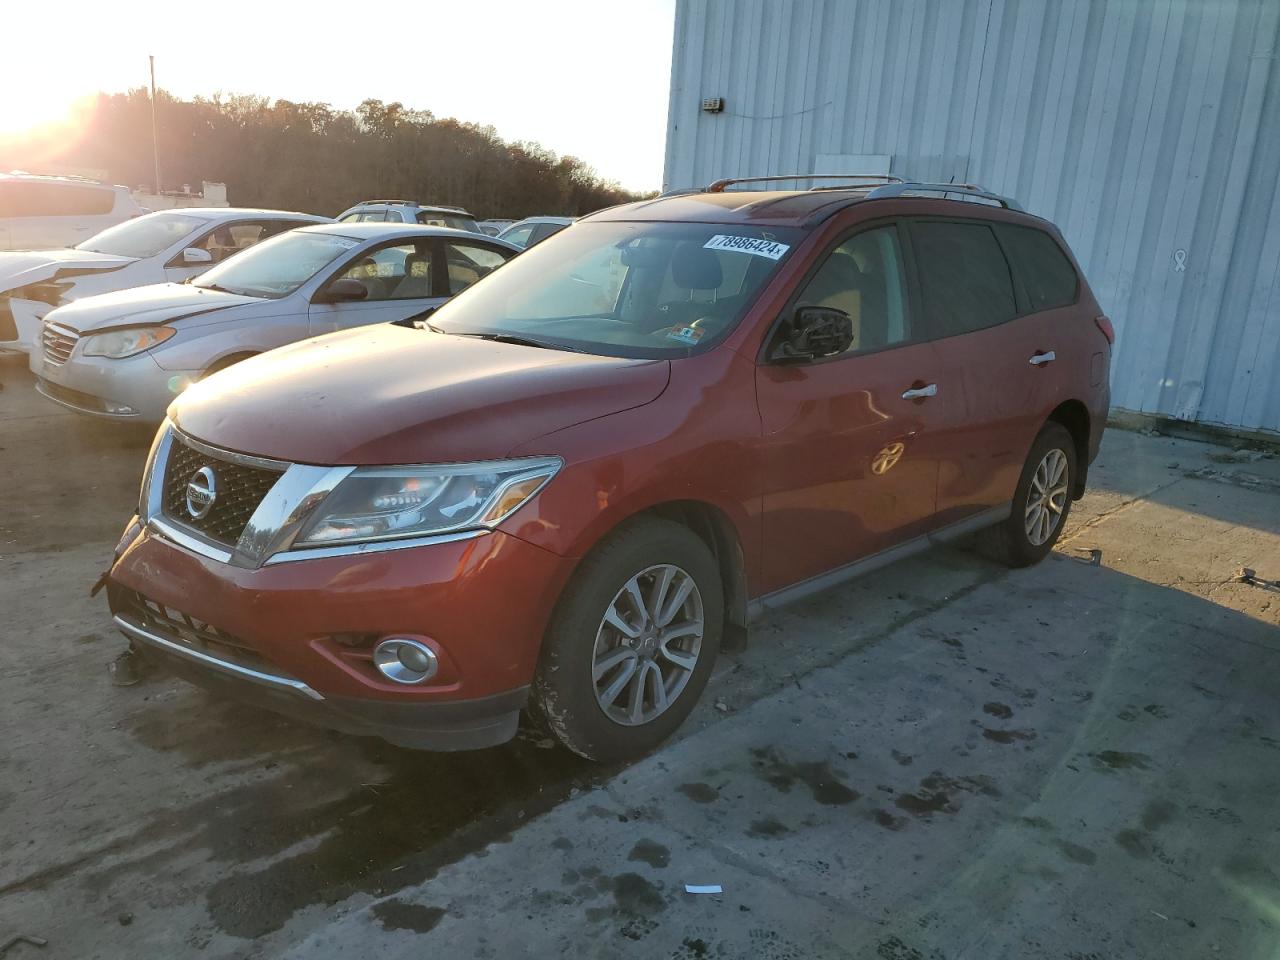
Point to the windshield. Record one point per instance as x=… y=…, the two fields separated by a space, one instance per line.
x=275 y=268
x=624 y=289
x=143 y=236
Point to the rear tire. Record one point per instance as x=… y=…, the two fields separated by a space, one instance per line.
x=1041 y=502
x=632 y=642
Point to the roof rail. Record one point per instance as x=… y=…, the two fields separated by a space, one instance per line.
x=406 y=203
x=719 y=185
x=906 y=188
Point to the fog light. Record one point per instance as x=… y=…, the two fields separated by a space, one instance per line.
x=405 y=661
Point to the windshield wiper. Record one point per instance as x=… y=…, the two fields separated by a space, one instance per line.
x=216 y=288
x=518 y=340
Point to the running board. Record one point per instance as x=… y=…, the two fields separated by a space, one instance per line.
x=824 y=581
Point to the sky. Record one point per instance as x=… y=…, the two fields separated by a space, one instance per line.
x=584 y=78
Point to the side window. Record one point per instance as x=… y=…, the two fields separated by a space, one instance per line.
x=394 y=216
x=394 y=273
x=468 y=263
x=230 y=238
x=863 y=277
x=963 y=275
x=519 y=235
x=1044 y=270
x=542 y=231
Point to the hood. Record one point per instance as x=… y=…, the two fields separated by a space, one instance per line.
x=19 y=268
x=157 y=303
x=393 y=395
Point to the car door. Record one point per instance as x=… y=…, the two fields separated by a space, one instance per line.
x=401 y=278
x=989 y=356
x=850 y=445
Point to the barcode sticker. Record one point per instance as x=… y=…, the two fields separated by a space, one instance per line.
x=751 y=245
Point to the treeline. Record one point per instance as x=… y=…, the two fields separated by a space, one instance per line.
x=313 y=158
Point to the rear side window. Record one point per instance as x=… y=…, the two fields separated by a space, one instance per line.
x=35 y=199
x=963 y=275
x=1043 y=269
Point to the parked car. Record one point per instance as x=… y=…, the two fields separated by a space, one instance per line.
x=533 y=503
x=170 y=245
x=494 y=227
x=533 y=230
x=126 y=355
x=39 y=212
x=409 y=211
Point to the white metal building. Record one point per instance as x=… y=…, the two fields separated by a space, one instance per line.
x=1148 y=130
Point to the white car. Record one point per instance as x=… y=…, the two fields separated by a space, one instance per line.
x=533 y=230
x=126 y=355
x=409 y=211
x=170 y=245
x=38 y=212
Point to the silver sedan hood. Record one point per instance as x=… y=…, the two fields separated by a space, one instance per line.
x=157 y=303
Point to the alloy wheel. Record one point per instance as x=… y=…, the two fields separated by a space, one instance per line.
x=1046 y=497
x=647 y=644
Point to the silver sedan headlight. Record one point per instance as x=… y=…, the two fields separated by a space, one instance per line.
x=125 y=343
x=383 y=503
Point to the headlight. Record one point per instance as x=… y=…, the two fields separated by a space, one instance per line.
x=125 y=343
x=383 y=503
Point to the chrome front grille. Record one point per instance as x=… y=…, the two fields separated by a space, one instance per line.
x=239 y=490
x=58 y=342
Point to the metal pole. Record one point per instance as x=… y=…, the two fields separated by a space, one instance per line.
x=155 y=144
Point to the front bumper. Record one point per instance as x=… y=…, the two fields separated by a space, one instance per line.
x=297 y=637
x=134 y=388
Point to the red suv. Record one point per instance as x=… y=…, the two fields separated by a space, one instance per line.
x=557 y=493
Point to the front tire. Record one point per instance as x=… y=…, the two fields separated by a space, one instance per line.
x=1041 y=502
x=632 y=642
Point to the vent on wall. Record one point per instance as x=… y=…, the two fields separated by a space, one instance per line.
x=713 y=104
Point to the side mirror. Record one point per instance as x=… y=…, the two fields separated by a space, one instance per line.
x=815 y=332
x=343 y=289
x=194 y=255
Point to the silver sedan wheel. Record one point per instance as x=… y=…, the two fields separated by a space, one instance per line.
x=1047 y=497
x=647 y=645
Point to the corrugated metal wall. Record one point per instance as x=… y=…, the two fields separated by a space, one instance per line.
x=1148 y=130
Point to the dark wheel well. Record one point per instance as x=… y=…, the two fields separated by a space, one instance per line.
x=224 y=362
x=1073 y=415
x=717 y=531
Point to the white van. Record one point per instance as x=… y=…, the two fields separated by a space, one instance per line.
x=42 y=212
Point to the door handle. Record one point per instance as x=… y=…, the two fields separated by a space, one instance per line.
x=1040 y=359
x=919 y=393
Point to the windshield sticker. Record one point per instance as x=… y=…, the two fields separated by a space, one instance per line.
x=689 y=335
x=757 y=248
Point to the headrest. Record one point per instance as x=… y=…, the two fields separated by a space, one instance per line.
x=417 y=265
x=695 y=268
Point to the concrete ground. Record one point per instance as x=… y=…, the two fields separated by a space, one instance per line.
x=946 y=759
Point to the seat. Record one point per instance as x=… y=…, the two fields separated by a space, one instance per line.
x=416 y=282
x=693 y=269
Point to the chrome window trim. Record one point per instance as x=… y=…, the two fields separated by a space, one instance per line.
x=137 y=632
x=373 y=546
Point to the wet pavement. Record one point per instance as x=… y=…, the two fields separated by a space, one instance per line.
x=945 y=759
